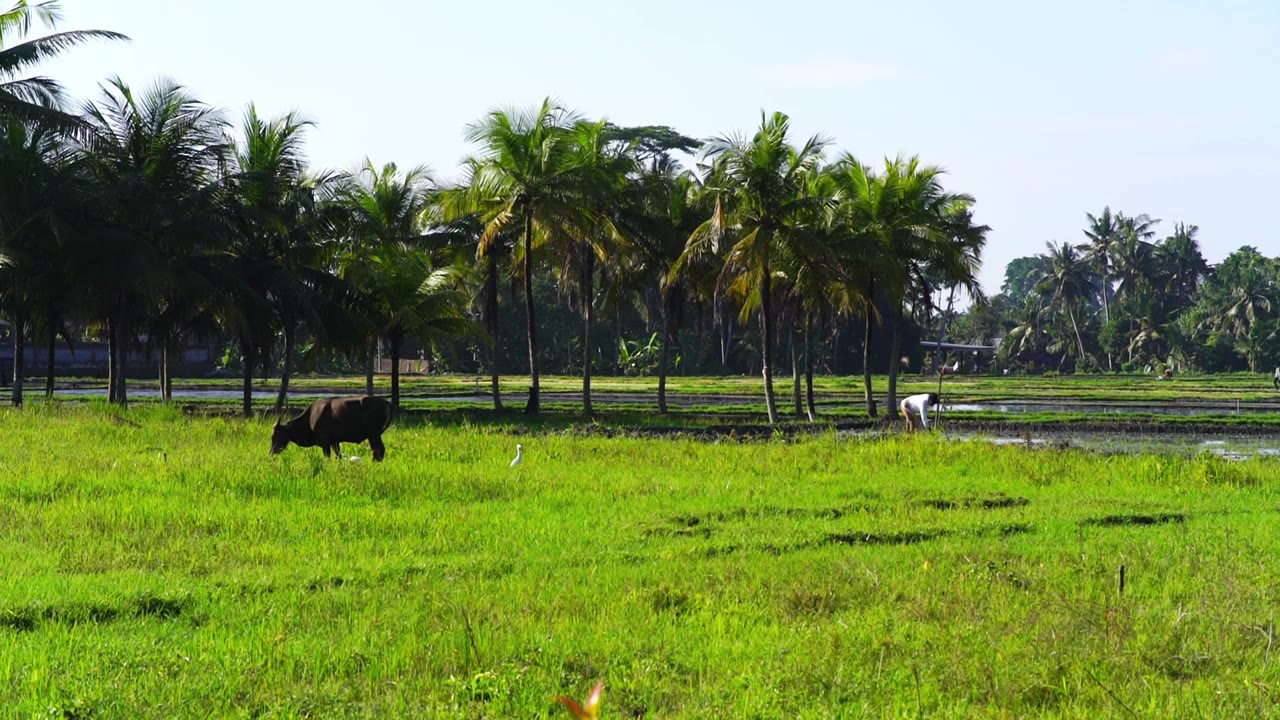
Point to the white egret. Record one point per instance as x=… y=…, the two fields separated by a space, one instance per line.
x=516 y=462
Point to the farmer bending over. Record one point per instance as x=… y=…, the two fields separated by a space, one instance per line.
x=917 y=405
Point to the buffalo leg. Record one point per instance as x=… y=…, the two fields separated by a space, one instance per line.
x=326 y=451
x=379 y=450
x=337 y=450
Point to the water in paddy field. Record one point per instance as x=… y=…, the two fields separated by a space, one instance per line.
x=1230 y=448
x=1221 y=408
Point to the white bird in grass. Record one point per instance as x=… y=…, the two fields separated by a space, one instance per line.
x=516 y=462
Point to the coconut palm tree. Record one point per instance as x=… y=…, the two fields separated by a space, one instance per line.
x=385 y=209
x=863 y=215
x=414 y=298
x=41 y=206
x=1068 y=282
x=662 y=214
x=1182 y=265
x=285 y=218
x=36 y=99
x=157 y=159
x=463 y=233
x=602 y=169
x=758 y=184
x=1102 y=232
x=528 y=173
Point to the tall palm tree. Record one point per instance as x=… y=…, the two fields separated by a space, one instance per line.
x=41 y=193
x=1182 y=264
x=898 y=223
x=463 y=232
x=528 y=173
x=1027 y=335
x=1068 y=282
x=1101 y=233
x=37 y=99
x=385 y=210
x=956 y=260
x=157 y=158
x=663 y=212
x=758 y=184
x=415 y=300
x=863 y=217
x=591 y=243
x=1134 y=268
x=286 y=216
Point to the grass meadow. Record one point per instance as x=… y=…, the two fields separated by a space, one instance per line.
x=158 y=565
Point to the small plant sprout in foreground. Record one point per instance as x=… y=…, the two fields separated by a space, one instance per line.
x=589 y=711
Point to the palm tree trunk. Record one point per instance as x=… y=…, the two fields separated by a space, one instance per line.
x=113 y=361
x=122 y=394
x=248 y=358
x=51 y=367
x=1079 y=342
x=766 y=342
x=895 y=349
x=808 y=366
x=942 y=333
x=1106 y=304
x=663 y=354
x=533 y=405
x=168 y=368
x=394 y=339
x=866 y=348
x=491 y=323
x=795 y=369
x=19 y=356
x=282 y=398
x=588 y=275
x=165 y=386
x=370 y=351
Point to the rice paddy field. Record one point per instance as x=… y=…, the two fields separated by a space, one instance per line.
x=161 y=564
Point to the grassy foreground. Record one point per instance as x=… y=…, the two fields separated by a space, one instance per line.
x=159 y=566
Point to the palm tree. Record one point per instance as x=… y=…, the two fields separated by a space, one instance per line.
x=156 y=158
x=900 y=220
x=40 y=203
x=464 y=231
x=528 y=173
x=1182 y=264
x=864 y=207
x=662 y=215
x=37 y=99
x=1068 y=282
x=956 y=260
x=286 y=217
x=1133 y=264
x=601 y=175
x=758 y=184
x=1027 y=334
x=1102 y=233
x=414 y=299
x=385 y=210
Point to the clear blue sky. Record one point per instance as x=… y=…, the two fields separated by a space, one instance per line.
x=1043 y=111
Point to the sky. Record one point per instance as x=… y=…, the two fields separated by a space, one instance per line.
x=1042 y=111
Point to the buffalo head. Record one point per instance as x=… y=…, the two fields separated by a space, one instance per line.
x=279 y=438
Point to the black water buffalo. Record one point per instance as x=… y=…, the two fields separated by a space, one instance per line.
x=336 y=420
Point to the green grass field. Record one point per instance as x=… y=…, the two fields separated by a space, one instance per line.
x=161 y=566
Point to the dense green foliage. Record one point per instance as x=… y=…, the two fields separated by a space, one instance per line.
x=146 y=219
x=1124 y=301
x=160 y=566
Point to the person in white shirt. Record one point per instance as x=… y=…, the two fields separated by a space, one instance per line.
x=915 y=406
x=1275 y=378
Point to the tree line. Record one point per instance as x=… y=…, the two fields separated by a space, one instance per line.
x=147 y=218
x=1127 y=300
